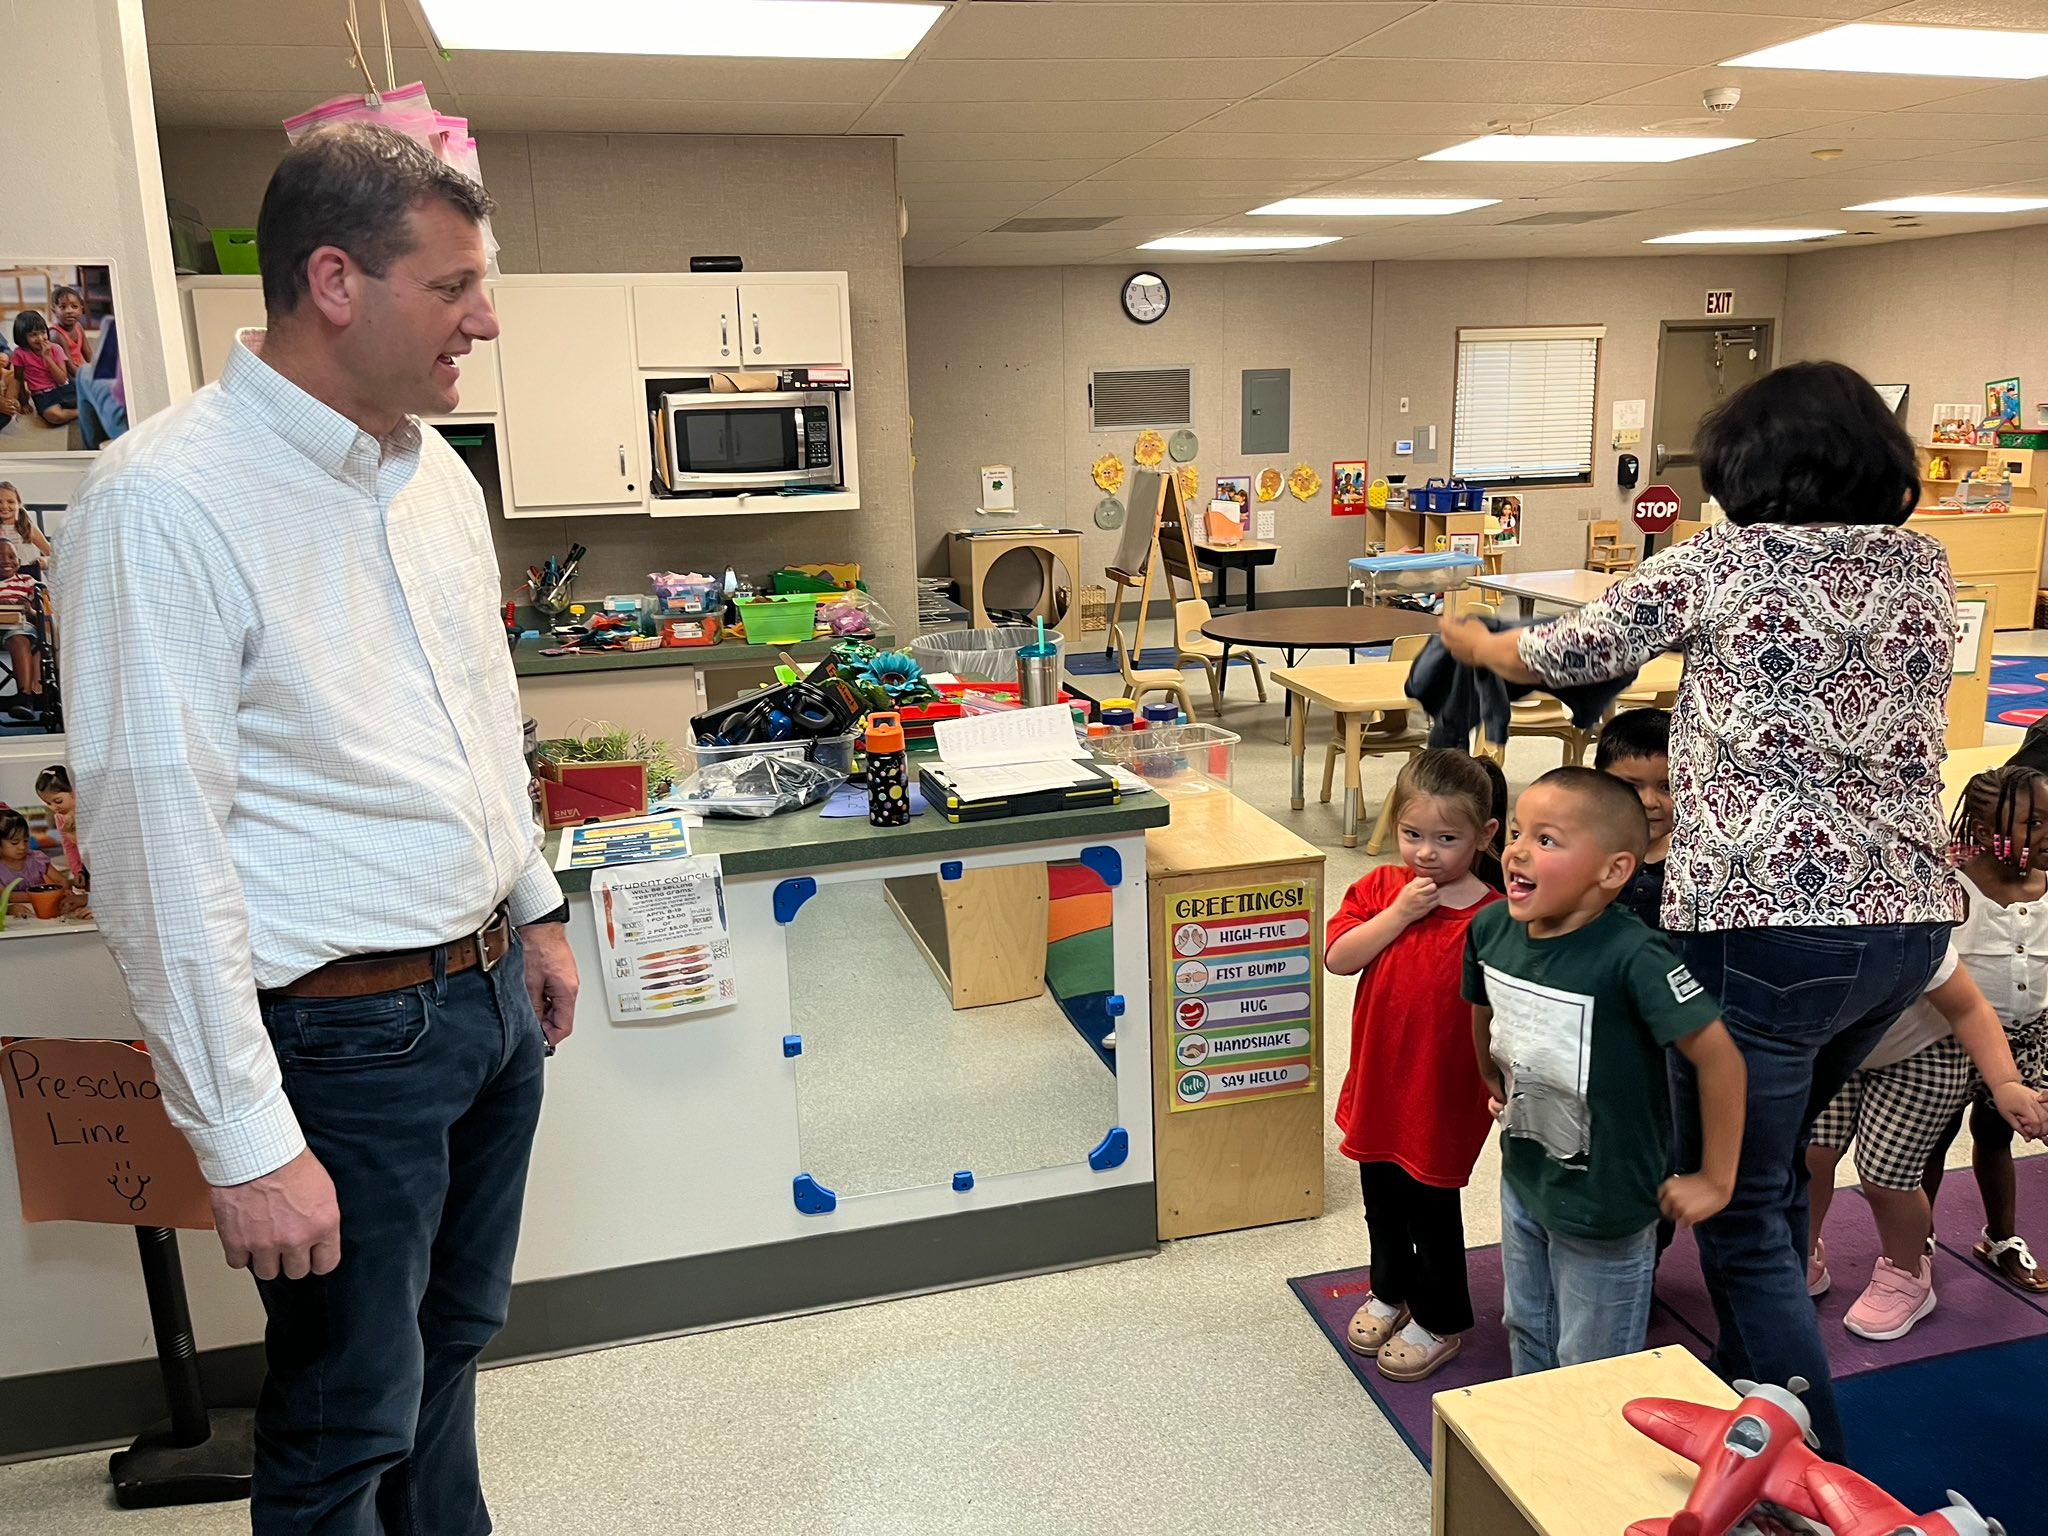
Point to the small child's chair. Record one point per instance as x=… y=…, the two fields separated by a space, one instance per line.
x=1190 y=644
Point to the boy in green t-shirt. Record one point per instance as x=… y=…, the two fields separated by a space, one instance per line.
x=1574 y=1002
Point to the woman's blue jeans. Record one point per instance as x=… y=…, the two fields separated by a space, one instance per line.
x=1805 y=1006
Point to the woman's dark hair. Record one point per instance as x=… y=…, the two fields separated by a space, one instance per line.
x=26 y=324
x=55 y=778
x=1808 y=443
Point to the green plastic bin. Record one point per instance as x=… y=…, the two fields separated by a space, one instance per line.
x=779 y=620
x=235 y=249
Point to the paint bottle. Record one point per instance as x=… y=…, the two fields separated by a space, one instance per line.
x=888 y=770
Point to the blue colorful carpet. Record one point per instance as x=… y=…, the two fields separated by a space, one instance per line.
x=2019 y=690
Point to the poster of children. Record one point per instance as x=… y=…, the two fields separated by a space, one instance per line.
x=2002 y=403
x=1507 y=512
x=33 y=496
x=60 y=361
x=42 y=873
x=1238 y=489
x=1347 y=488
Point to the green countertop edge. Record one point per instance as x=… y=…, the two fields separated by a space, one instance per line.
x=804 y=840
x=527 y=660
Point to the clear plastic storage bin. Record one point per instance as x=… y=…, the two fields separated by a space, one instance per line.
x=1173 y=759
x=983 y=655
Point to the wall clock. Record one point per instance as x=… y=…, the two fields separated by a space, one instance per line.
x=1146 y=297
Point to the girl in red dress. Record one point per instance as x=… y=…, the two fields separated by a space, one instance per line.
x=1413 y=1108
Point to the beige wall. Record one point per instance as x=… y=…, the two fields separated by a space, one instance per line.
x=1000 y=357
x=646 y=203
x=1943 y=316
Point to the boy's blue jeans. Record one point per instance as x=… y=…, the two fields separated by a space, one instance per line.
x=1805 y=1006
x=421 y=1104
x=1572 y=1299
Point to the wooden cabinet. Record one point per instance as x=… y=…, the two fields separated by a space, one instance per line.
x=687 y=327
x=791 y=323
x=575 y=428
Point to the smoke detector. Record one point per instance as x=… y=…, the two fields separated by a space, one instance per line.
x=1720 y=99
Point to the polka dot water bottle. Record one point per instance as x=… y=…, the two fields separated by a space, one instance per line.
x=888 y=770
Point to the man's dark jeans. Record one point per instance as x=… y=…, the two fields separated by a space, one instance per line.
x=421 y=1104
x=1805 y=1005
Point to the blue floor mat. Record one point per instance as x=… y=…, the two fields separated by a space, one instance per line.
x=1960 y=1421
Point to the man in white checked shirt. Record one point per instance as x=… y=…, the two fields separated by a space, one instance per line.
x=295 y=737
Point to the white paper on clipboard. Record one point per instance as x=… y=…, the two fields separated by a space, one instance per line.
x=661 y=929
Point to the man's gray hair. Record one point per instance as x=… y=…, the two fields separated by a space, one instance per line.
x=352 y=186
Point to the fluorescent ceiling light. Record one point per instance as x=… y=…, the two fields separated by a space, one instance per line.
x=1576 y=148
x=1865 y=48
x=1237 y=242
x=1951 y=205
x=736 y=29
x=1743 y=236
x=1377 y=207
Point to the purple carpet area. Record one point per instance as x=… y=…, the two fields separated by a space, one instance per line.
x=1975 y=1307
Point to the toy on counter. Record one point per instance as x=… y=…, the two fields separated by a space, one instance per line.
x=1756 y=1454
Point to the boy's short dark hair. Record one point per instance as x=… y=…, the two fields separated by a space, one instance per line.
x=1632 y=735
x=352 y=186
x=1808 y=443
x=1613 y=813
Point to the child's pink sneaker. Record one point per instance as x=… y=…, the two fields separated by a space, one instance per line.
x=1893 y=1301
x=1817 y=1277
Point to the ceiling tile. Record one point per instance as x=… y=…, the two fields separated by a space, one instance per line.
x=1743 y=123
x=922 y=117
x=228 y=109
x=610 y=114
x=1152 y=166
x=984 y=191
x=670 y=79
x=1576 y=34
x=1202 y=143
x=969 y=147
x=1185 y=31
x=1089 y=79
x=1453 y=79
x=1442 y=120
x=241 y=21
x=320 y=72
x=1815 y=90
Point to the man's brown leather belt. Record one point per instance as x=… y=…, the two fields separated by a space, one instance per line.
x=364 y=975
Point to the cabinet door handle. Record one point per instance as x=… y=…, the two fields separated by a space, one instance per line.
x=724 y=338
x=757 y=333
x=622 y=458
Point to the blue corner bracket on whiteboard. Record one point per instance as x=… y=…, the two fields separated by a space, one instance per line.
x=812 y=1198
x=1115 y=1147
x=790 y=895
x=1106 y=862
x=1113 y=1005
x=950 y=870
x=792 y=1045
x=963 y=1180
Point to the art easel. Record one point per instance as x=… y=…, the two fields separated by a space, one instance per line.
x=1156 y=521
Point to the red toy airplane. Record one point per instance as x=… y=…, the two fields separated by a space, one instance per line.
x=1754 y=1451
x=1855 y=1506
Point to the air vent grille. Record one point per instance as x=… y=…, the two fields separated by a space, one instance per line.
x=1140 y=397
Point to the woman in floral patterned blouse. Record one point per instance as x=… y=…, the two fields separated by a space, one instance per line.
x=1809 y=885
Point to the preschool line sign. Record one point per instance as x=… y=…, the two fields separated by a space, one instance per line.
x=91 y=1139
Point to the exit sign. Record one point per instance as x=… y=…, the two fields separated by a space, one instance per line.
x=1720 y=301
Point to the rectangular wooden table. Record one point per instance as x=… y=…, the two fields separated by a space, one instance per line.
x=1559 y=589
x=1551 y=1455
x=1351 y=693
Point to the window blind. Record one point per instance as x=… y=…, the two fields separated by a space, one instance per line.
x=1524 y=407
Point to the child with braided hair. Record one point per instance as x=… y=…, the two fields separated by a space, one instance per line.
x=2007 y=867
x=1959 y=1041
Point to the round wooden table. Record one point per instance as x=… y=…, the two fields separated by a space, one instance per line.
x=1293 y=630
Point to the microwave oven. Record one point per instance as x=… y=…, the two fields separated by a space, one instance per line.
x=708 y=442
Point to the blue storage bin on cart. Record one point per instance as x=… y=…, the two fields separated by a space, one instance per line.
x=1441 y=495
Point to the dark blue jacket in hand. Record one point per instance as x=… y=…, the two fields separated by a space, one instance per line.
x=1460 y=698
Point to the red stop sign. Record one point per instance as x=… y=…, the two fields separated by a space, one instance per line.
x=1656 y=509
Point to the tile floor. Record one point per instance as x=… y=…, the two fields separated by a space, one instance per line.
x=1187 y=1393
